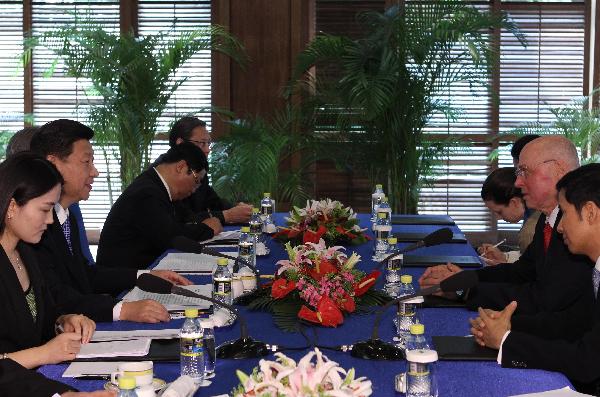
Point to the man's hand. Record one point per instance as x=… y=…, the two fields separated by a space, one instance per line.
x=239 y=214
x=491 y=255
x=214 y=224
x=144 y=311
x=436 y=274
x=79 y=324
x=494 y=328
x=99 y=393
x=61 y=348
x=171 y=276
x=477 y=325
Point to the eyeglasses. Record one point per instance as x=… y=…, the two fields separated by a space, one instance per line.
x=196 y=177
x=201 y=143
x=524 y=171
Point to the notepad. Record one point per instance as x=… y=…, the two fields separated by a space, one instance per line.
x=100 y=336
x=174 y=302
x=185 y=262
x=130 y=348
x=91 y=368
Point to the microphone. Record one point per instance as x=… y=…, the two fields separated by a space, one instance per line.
x=440 y=236
x=376 y=349
x=244 y=347
x=186 y=244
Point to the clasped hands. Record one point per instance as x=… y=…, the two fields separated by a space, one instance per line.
x=489 y=328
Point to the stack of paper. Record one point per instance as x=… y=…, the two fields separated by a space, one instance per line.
x=92 y=368
x=128 y=348
x=189 y=263
x=174 y=302
x=106 y=336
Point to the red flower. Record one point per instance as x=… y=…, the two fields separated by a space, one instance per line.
x=345 y=232
x=281 y=287
x=347 y=303
x=322 y=268
x=314 y=237
x=366 y=282
x=328 y=314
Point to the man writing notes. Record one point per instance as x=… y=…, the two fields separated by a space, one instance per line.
x=142 y=224
x=547 y=277
x=76 y=285
x=579 y=201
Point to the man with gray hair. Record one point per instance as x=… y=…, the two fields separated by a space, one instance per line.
x=547 y=277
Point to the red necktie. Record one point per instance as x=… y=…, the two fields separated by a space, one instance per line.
x=547 y=235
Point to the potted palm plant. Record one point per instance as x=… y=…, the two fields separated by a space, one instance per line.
x=376 y=94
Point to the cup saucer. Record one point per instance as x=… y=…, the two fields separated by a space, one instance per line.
x=157 y=384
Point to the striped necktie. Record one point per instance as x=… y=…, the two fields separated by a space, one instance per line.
x=596 y=280
x=547 y=236
x=66 y=227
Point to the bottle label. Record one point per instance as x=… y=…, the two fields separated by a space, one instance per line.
x=191 y=347
x=266 y=209
x=222 y=287
x=245 y=250
x=382 y=233
x=394 y=264
x=418 y=369
x=407 y=309
x=255 y=228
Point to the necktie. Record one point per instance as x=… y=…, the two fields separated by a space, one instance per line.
x=596 y=280
x=66 y=226
x=547 y=235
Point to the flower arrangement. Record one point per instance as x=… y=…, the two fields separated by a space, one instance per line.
x=283 y=377
x=318 y=284
x=324 y=219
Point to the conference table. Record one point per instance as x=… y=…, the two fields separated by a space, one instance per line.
x=455 y=378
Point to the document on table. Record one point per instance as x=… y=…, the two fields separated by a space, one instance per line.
x=226 y=235
x=92 y=368
x=194 y=263
x=129 y=348
x=102 y=336
x=174 y=302
x=564 y=392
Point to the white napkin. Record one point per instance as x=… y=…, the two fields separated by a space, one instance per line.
x=184 y=386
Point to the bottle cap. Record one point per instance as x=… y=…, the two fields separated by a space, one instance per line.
x=267 y=195
x=254 y=210
x=421 y=356
x=392 y=240
x=406 y=279
x=127 y=383
x=245 y=229
x=417 y=329
x=381 y=215
x=222 y=262
x=191 y=313
x=379 y=186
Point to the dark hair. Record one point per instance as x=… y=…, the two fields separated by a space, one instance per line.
x=187 y=151
x=183 y=129
x=25 y=176
x=57 y=137
x=520 y=143
x=499 y=186
x=581 y=185
x=20 y=141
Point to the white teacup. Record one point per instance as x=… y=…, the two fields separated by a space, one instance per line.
x=142 y=371
x=237 y=286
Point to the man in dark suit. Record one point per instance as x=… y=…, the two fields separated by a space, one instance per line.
x=204 y=202
x=579 y=200
x=77 y=285
x=142 y=224
x=547 y=278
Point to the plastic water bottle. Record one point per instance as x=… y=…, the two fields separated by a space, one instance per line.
x=375 y=200
x=210 y=358
x=127 y=387
x=394 y=265
x=383 y=228
x=384 y=206
x=191 y=354
x=256 y=225
x=246 y=247
x=222 y=279
x=266 y=209
x=417 y=338
x=406 y=310
x=420 y=375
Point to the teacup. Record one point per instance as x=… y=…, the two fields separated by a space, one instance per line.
x=142 y=371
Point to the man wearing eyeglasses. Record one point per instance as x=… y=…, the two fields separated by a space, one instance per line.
x=547 y=277
x=142 y=223
x=204 y=202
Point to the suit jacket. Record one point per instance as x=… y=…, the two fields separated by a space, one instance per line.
x=20 y=330
x=76 y=286
x=539 y=281
x=18 y=381
x=203 y=203
x=142 y=223
x=577 y=359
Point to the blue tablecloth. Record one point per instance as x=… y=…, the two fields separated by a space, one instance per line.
x=456 y=378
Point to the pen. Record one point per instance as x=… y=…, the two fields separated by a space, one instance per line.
x=499 y=244
x=93 y=377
